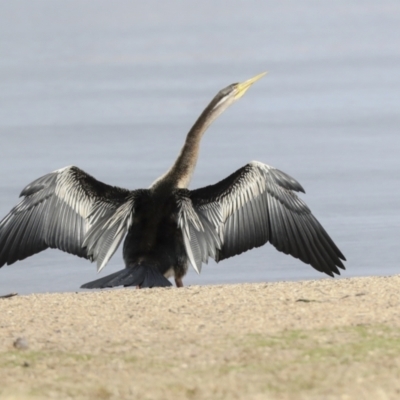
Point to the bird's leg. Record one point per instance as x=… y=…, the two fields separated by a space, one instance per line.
x=178 y=282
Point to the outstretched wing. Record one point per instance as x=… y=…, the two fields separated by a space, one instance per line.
x=256 y=205
x=58 y=210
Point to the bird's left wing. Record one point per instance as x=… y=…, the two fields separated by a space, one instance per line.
x=66 y=209
x=253 y=206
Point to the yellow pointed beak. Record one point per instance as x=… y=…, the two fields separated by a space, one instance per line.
x=242 y=87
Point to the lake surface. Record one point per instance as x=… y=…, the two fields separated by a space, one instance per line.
x=113 y=87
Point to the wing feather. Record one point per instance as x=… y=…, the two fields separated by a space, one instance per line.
x=57 y=211
x=256 y=205
x=200 y=236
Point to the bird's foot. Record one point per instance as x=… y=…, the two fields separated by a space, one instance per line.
x=178 y=282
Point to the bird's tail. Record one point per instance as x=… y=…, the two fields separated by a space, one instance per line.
x=143 y=276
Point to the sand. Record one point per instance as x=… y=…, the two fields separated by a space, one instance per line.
x=325 y=339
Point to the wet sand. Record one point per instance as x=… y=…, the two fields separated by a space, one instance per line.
x=288 y=340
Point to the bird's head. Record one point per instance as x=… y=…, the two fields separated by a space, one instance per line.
x=230 y=94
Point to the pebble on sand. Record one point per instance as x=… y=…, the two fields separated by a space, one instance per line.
x=21 y=343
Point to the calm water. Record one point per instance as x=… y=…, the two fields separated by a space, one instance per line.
x=113 y=87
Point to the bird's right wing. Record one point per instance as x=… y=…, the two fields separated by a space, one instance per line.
x=64 y=210
x=253 y=206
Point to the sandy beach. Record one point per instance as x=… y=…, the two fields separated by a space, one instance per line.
x=325 y=339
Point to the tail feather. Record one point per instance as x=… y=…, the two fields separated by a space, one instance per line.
x=138 y=275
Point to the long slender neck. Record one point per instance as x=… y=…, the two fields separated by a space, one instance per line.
x=180 y=174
